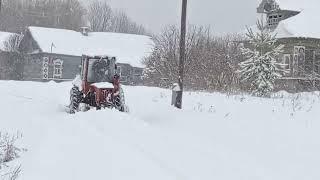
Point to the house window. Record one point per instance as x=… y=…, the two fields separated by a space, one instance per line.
x=137 y=77
x=299 y=60
x=274 y=19
x=123 y=79
x=57 y=69
x=286 y=63
x=123 y=76
x=119 y=70
x=138 y=72
x=317 y=62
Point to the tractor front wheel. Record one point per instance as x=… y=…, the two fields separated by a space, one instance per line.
x=119 y=102
x=75 y=99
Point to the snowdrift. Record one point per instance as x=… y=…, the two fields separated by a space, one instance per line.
x=215 y=136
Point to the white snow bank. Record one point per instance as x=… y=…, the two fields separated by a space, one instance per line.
x=214 y=137
x=128 y=48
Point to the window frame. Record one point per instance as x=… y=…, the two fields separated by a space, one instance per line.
x=119 y=70
x=57 y=71
x=287 y=64
x=274 y=19
x=296 y=60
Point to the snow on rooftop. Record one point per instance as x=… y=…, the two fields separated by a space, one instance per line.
x=4 y=36
x=294 y=5
x=306 y=24
x=128 y=48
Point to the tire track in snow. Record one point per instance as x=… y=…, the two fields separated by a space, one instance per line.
x=42 y=100
x=149 y=155
x=174 y=172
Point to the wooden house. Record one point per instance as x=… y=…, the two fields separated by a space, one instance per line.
x=296 y=25
x=55 y=54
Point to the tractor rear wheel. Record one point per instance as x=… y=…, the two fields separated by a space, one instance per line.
x=75 y=99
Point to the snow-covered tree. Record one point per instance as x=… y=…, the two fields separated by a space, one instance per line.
x=210 y=63
x=260 y=67
x=18 y=14
x=102 y=18
x=12 y=63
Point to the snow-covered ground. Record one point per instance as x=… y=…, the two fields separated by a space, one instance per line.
x=215 y=136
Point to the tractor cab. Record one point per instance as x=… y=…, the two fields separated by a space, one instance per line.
x=100 y=85
x=98 y=69
x=99 y=72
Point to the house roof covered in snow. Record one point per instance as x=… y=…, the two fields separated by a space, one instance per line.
x=4 y=36
x=294 y=5
x=305 y=24
x=128 y=48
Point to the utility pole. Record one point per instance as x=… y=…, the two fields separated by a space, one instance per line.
x=182 y=57
x=0 y=5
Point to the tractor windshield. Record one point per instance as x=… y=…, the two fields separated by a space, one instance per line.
x=99 y=71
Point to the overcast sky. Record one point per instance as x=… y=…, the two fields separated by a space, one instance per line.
x=223 y=16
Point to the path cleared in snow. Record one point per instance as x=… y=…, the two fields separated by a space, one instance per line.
x=214 y=137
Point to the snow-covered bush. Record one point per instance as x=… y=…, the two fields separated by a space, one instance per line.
x=260 y=68
x=8 y=153
x=102 y=18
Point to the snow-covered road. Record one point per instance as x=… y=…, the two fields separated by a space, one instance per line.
x=214 y=137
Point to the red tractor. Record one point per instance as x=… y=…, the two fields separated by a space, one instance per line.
x=97 y=86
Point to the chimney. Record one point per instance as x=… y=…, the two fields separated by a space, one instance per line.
x=85 y=30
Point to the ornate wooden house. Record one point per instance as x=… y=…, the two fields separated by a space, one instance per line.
x=296 y=25
x=55 y=54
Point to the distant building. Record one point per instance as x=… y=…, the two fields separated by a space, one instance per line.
x=55 y=54
x=296 y=25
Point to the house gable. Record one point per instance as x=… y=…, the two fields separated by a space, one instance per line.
x=298 y=18
x=275 y=13
x=28 y=44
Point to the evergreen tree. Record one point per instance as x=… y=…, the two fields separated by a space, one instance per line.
x=261 y=68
